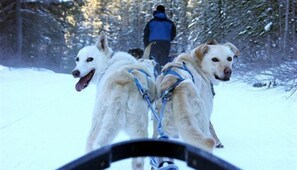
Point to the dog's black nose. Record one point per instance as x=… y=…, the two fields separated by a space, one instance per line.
x=227 y=72
x=75 y=73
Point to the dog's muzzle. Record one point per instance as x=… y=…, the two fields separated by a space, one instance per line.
x=83 y=81
x=227 y=75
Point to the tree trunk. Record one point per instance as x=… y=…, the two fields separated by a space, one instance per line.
x=221 y=19
x=19 y=30
x=294 y=27
x=286 y=25
x=280 y=17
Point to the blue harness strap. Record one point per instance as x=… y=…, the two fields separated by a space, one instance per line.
x=167 y=94
x=143 y=92
x=145 y=95
x=183 y=67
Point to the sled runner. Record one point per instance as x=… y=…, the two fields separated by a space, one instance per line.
x=194 y=157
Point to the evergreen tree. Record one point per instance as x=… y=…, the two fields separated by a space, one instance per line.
x=50 y=33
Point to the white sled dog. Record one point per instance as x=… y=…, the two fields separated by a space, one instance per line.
x=119 y=105
x=187 y=84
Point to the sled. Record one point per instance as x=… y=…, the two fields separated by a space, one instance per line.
x=194 y=157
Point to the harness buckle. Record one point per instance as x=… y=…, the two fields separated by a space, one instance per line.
x=167 y=95
x=145 y=94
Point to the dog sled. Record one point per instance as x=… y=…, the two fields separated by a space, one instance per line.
x=194 y=157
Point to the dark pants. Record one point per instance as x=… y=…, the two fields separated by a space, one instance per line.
x=160 y=53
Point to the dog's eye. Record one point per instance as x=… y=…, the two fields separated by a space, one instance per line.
x=229 y=58
x=215 y=59
x=77 y=59
x=90 y=59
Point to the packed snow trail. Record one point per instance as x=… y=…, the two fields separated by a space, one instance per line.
x=44 y=123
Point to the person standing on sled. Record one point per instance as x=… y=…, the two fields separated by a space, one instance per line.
x=159 y=31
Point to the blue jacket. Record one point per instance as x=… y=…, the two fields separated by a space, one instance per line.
x=160 y=28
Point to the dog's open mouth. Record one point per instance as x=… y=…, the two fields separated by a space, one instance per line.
x=222 y=79
x=84 y=81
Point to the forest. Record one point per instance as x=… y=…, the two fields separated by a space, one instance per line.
x=49 y=33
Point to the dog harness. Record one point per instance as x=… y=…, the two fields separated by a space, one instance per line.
x=142 y=91
x=167 y=94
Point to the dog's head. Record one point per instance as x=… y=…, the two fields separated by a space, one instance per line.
x=136 y=52
x=216 y=60
x=91 y=61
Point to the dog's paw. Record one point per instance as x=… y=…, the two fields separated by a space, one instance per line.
x=138 y=166
x=219 y=145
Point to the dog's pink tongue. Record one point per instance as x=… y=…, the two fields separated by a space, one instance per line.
x=80 y=84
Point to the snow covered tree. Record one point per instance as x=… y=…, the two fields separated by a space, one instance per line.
x=264 y=31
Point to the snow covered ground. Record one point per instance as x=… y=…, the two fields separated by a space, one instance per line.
x=44 y=123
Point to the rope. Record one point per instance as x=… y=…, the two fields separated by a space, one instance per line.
x=145 y=94
x=166 y=96
x=146 y=97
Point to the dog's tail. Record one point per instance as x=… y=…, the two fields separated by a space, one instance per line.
x=146 y=82
x=147 y=51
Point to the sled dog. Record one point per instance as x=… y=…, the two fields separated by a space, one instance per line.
x=186 y=86
x=136 y=52
x=119 y=105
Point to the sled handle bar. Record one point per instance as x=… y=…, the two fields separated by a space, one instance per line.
x=103 y=157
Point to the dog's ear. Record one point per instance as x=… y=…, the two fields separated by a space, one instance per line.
x=102 y=42
x=233 y=49
x=211 y=42
x=153 y=62
x=201 y=51
x=150 y=61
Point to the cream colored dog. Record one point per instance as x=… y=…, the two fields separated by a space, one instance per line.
x=119 y=105
x=189 y=104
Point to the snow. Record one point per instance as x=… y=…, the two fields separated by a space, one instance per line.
x=44 y=123
x=268 y=26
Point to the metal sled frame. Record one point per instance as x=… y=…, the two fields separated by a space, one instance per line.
x=194 y=157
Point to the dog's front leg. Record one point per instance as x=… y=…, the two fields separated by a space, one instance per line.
x=214 y=135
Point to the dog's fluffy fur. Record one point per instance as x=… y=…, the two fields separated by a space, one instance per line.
x=119 y=105
x=188 y=113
